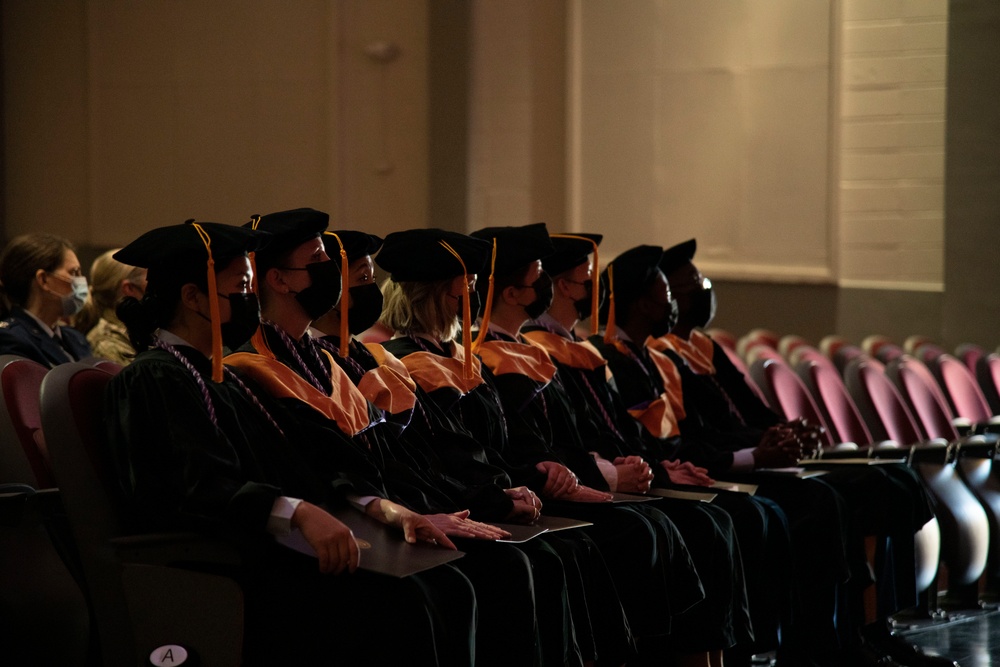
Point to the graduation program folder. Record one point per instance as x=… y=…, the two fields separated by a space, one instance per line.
x=544 y=524
x=705 y=497
x=383 y=548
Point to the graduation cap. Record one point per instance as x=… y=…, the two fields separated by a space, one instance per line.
x=677 y=256
x=288 y=229
x=169 y=253
x=513 y=249
x=570 y=251
x=353 y=245
x=430 y=255
x=628 y=274
x=357 y=244
x=516 y=247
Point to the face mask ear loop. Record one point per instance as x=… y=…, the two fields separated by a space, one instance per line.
x=595 y=281
x=488 y=307
x=344 y=305
x=466 y=314
x=610 y=335
x=213 y=306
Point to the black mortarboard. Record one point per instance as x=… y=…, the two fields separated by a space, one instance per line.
x=570 y=251
x=357 y=244
x=418 y=255
x=168 y=247
x=288 y=229
x=677 y=256
x=627 y=275
x=517 y=246
x=169 y=253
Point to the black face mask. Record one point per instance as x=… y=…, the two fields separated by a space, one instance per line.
x=367 y=308
x=323 y=292
x=543 y=297
x=703 y=307
x=244 y=318
x=583 y=305
x=662 y=326
x=475 y=305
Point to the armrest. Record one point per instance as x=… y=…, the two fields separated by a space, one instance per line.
x=933 y=451
x=191 y=550
x=977 y=446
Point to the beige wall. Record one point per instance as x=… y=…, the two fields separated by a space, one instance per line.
x=706 y=119
x=891 y=136
x=121 y=117
x=517 y=111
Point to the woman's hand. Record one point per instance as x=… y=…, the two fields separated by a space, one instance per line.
x=415 y=526
x=458 y=524
x=334 y=543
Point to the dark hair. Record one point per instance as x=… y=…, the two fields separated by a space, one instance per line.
x=158 y=307
x=21 y=260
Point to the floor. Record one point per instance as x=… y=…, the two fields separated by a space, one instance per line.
x=970 y=638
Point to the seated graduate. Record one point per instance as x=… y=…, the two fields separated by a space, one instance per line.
x=427 y=302
x=42 y=286
x=826 y=513
x=435 y=444
x=111 y=282
x=298 y=284
x=196 y=448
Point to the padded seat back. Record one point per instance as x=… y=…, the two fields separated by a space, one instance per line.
x=879 y=403
x=920 y=390
x=965 y=397
x=23 y=457
x=988 y=375
x=787 y=394
x=821 y=378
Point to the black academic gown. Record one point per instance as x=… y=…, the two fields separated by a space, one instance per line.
x=722 y=619
x=507 y=630
x=828 y=525
x=650 y=562
x=21 y=335
x=606 y=427
x=204 y=457
x=415 y=473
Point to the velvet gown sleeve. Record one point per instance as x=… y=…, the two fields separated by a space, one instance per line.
x=177 y=469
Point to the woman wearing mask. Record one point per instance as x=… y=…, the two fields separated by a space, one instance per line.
x=42 y=284
x=113 y=281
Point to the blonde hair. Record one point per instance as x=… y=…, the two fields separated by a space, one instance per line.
x=419 y=308
x=106 y=276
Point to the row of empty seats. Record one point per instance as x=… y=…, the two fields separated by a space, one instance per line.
x=915 y=402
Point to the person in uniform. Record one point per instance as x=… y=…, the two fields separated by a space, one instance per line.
x=42 y=286
x=111 y=281
x=196 y=447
